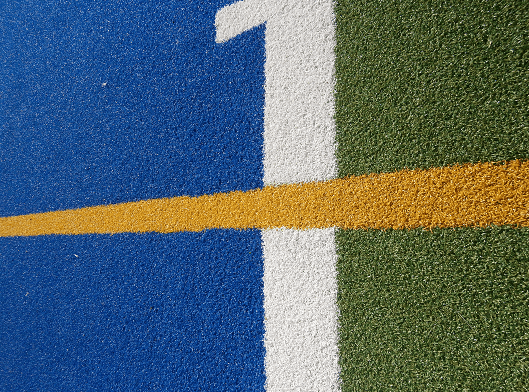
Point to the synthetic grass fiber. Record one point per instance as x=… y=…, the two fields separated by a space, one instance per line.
x=440 y=310
x=424 y=84
x=156 y=123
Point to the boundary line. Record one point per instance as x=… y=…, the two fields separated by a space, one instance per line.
x=477 y=195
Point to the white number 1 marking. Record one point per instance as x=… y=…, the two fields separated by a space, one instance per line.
x=299 y=130
x=300 y=287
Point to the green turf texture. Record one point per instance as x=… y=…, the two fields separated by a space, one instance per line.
x=424 y=84
x=446 y=310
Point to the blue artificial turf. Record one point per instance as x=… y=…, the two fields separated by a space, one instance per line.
x=104 y=102
x=132 y=312
x=111 y=101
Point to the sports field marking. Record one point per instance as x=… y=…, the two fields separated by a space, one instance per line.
x=301 y=325
x=299 y=129
x=478 y=195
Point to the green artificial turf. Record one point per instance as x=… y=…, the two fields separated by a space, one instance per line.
x=446 y=310
x=424 y=84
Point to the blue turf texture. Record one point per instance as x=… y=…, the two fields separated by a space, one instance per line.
x=104 y=102
x=132 y=312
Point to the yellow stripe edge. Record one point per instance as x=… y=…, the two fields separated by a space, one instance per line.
x=470 y=195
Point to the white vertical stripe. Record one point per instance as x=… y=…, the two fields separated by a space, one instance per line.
x=299 y=129
x=300 y=288
x=301 y=316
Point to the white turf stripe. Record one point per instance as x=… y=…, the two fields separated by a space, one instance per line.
x=301 y=317
x=299 y=130
x=300 y=288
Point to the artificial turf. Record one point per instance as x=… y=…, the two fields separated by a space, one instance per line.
x=441 y=310
x=424 y=84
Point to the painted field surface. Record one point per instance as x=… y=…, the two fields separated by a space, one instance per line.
x=445 y=310
x=104 y=102
x=129 y=312
x=241 y=262
x=425 y=84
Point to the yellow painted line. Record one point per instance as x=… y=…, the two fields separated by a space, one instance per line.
x=463 y=195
